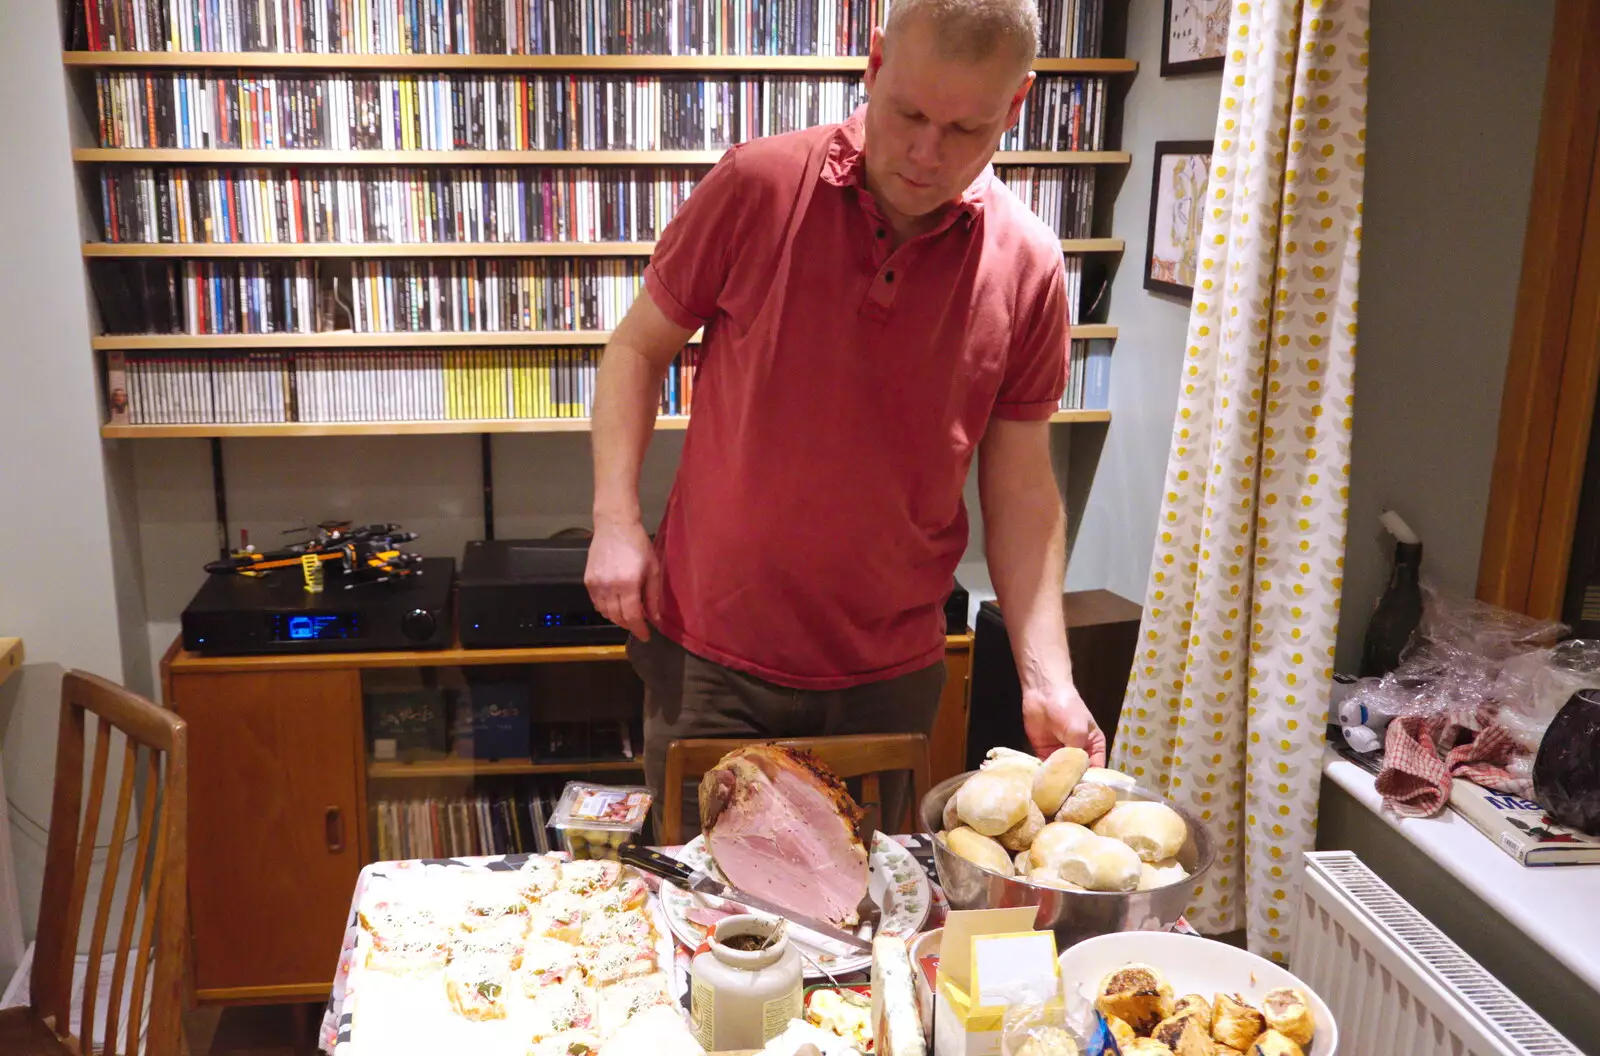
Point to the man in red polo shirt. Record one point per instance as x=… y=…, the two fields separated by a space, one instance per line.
x=877 y=308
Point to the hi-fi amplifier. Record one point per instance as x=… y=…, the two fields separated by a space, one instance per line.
x=236 y=615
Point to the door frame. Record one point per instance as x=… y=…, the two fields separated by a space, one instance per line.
x=1547 y=403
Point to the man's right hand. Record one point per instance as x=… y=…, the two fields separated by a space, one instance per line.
x=623 y=576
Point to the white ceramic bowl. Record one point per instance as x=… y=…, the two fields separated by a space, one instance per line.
x=1193 y=966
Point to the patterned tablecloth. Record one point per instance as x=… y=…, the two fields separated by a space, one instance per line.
x=336 y=1019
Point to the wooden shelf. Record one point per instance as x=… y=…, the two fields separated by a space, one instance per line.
x=586 y=63
x=490 y=768
x=438 y=339
x=164 y=156
x=673 y=423
x=349 y=339
x=11 y=656
x=186 y=662
x=371 y=250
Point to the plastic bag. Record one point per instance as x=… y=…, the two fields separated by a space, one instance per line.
x=1030 y=1029
x=1534 y=686
x=1456 y=663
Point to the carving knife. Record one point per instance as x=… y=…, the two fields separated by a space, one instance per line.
x=657 y=864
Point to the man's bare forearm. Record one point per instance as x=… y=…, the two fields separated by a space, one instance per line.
x=1025 y=537
x=627 y=394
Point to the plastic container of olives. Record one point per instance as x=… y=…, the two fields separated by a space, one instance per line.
x=596 y=820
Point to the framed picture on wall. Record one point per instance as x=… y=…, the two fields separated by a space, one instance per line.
x=1177 y=212
x=1196 y=37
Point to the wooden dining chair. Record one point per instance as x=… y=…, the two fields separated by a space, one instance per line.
x=150 y=744
x=866 y=756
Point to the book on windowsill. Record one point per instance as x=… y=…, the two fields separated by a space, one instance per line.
x=1521 y=827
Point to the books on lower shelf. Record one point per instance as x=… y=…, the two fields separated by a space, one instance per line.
x=451 y=204
x=525 y=27
x=160 y=388
x=1088 y=377
x=1521 y=828
x=506 y=822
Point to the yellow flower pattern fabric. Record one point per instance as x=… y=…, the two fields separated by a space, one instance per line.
x=1227 y=704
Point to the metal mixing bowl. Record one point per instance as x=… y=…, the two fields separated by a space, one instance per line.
x=1072 y=915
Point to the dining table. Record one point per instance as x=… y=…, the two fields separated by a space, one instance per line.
x=337 y=1020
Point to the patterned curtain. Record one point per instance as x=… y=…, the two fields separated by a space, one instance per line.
x=1226 y=708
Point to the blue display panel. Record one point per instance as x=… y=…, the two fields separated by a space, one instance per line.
x=312 y=626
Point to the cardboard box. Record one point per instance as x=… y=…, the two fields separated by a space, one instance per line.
x=987 y=956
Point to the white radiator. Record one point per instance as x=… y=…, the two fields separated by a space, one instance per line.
x=1394 y=982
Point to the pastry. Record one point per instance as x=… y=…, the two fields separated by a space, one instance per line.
x=1146 y=1047
x=537 y=877
x=1021 y=835
x=1194 y=1005
x=1053 y=780
x=1235 y=1023
x=1086 y=803
x=1120 y=1031
x=980 y=850
x=1137 y=994
x=991 y=801
x=1101 y=864
x=546 y=962
x=563 y=1008
x=590 y=875
x=1055 y=840
x=620 y=1003
x=1274 y=1044
x=1185 y=1035
x=1154 y=830
x=1288 y=1012
x=571 y=1043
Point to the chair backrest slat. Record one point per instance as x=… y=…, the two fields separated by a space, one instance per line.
x=130 y=907
x=155 y=891
x=861 y=755
x=108 y=882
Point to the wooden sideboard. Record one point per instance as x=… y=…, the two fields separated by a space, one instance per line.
x=279 y=776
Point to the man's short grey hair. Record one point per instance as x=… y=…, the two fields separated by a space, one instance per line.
x=974 y=29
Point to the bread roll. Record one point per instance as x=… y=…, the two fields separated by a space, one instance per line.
x=1020 y=836
x=991 y=801
x=1002 y=758
x=1235 y=1023
x=1274 y=1044
x=1154 y=830
x=1185 y=1035
x=1288 y=1011
x=1086 y=803
x=980 y=850
x=1146 y=1047
x=1047 y=877
x=951 y=817
x=1054 y=840
x=1194 y=1005
x=1167 y=871
x=1101 y=864
x=1023 y=863
x=1053 y=780
x=1099 y=775
x=1137 y=994
x=1219 y=1049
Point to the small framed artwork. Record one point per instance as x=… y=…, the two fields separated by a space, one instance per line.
x=1196 y=37
x=1177 y=212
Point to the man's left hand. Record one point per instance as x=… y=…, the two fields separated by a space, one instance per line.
x=1062 y=720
